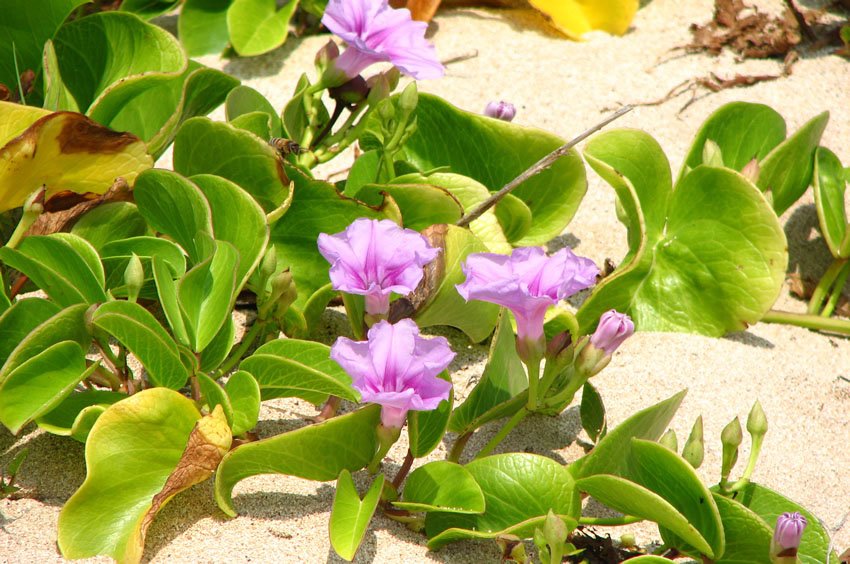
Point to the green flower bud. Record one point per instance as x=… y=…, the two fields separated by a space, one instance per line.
x=134 y=278
x=711 y=154
x=669 y=440
x=731 y=438
x=757 y=421
x=694 y=449
x=409 y=98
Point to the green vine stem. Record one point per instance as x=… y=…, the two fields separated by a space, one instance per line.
x=503 y=432
x=245 y=344
x=827 y=282
x=808 y=321
x=457 y=448
x=609 y=521
x=837 y=289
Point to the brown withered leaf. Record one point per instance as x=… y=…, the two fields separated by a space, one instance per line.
x=208 y=443
x=433 y=276
x=746 y=31
x=64 y=209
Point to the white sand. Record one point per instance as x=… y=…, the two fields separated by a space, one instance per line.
x=563 y=87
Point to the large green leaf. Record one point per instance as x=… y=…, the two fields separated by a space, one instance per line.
x=140 y=453
x=316 y=452
x=154 y=105
x=443 y=305
x=316 y=208
x=829 y=187
x=99 y=50
x=245 y=100
x=238 y=219
x=66 y=325
x=742 y=130
x=350 y=516
x=65 y=266
x=787 y=170
x=175 y=207
x=442 y=486
x=634 y=499
x=257 y=26
x=421 y=205
x=425 y=429
x=71 y=416
x=674 y=278
x=503 y=378
x=39 y=384
x=207 y=294
x=664 y=472
x=304 y=369
x=202 y=26
x=110 y=222
x=769 y=505
x=203 y=146
x=519 y=490
x=138 y=330
x=56 y=95
x=24 y=28
x=611 y=454
x=20 y=319
x=552 y=196
x=747 y=535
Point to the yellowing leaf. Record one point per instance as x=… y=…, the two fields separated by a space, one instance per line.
x=62 y=151
x=577 y=17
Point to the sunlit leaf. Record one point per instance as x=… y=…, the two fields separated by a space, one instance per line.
x=350 y=516
x=577 y=17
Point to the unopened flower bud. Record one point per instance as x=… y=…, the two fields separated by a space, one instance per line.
x=283 y=288
x=731 y=438
x=326 y=54
x=134 y=278
x=269 y=263
x=613 y=329
x=751 y=171
x=711 y=154
x=558 y=344
x=669 y=440
x=787 y=535
x=409 y=98
x=502 y=110
x=350 y=93
x=379 y=88
x=34 y=203
x=694 y=449
x=628 y=541
x=757 y=421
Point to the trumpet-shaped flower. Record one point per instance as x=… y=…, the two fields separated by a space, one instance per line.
x=376 y=33
x=613 y=329
x=527 y=282
x=397 y=369
x=375 y=258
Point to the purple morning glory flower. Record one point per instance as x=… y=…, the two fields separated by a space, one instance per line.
x=376 y=33
x=375 y=258
x=504 y=111
x=397 y=369
x=789 y=530
x=613 y=329
x=527 y=282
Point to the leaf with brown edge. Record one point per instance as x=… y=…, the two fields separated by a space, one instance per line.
x=66 y=151
x=140 y=452
x=64 y=209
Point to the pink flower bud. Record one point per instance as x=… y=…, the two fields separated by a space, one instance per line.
x=613 y=329
x=502 y=110
x=789 y=531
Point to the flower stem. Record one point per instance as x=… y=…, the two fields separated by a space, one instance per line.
x=533 y=367
x=241 y=349
x=503 y=432
x=751 y=465
x=609 y=521
x=402 y=472
x=837 y=289
x=807 y=321
x=457 y=448
x=537 y=168
x=823 y=287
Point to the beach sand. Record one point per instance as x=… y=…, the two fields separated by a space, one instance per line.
x=799 y=376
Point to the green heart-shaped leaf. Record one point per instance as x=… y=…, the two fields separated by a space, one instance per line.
x=316 y=452
x=257 y=26
x=110 y=222
x=552 y=196
x=140 y=453
x=747 y=535
x=442 y=486
x=421 y=205
x=66 y=418
x=304 y=369
x=20 y=319
x=350 y=516
x=244 y=393
x=202 y=26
